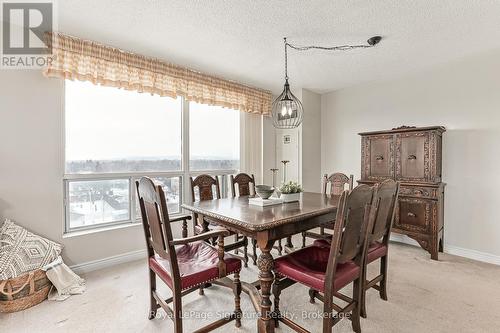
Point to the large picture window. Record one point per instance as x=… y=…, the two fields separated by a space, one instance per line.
x=114 y=136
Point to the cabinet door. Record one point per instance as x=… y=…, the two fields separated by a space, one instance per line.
x=412 y=156
x=378 y=157
x=415 y=215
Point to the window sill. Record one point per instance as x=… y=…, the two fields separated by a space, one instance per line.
x=78 y=233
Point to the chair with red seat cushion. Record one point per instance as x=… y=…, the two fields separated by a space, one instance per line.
x=183 y=264
x=378 y=238
x=329 y=269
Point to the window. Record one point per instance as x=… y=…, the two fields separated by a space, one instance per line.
x=214 y=138
x=110 y=130
x=115 y=136
x=101 y=201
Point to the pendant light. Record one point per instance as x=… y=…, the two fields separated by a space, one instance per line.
x=287 y=110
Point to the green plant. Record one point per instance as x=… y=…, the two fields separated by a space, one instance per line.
x=291 y=187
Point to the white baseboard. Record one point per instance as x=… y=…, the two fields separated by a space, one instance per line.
x=454 y=250
x=109 y=261
x=472 y=254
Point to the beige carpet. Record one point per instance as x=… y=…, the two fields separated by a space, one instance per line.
x=452 y=295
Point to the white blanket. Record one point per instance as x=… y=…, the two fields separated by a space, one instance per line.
x=65 y=281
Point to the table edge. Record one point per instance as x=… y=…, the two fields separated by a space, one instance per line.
x=262 y=227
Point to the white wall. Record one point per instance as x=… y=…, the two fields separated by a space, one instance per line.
x=311 y=141
x=268 y=150
x=465 y=98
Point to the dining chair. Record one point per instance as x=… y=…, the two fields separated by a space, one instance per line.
x=334 y=184
x=329 y=269
x=182 y=264
x=378 y=240
x=208 y=188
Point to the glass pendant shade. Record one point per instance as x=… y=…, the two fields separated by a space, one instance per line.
x=287 y=110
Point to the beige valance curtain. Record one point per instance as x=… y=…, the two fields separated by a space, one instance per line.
x=85 y=60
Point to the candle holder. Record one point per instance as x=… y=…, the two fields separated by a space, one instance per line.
x=285 y=162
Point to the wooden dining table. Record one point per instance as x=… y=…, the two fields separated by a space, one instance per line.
x=266 y=225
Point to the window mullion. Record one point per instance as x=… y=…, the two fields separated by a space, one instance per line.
x=185 y=150
x=131 y=200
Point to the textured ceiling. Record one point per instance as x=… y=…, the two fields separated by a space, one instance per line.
x=242 y=40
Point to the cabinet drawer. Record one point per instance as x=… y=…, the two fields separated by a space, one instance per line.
x=418 y=191
x=416 y=215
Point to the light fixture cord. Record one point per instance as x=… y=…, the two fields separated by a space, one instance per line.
x=327 y=48
x=286 y=60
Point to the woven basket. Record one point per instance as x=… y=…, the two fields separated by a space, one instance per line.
x=24 y=291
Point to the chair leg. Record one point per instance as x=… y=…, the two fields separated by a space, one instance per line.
x=363 y=292
x=152 y=287
x=312 y=296
x=276 y=294
x=303 y=239
x=383 y=283
x=236 y=238
x=280 y=247
x=356 y=312
x=245 y=251
x=327 y=314
x=201 y=292
x=254 y=251
x=177 y=313
x=441 y=242
x=237 y=298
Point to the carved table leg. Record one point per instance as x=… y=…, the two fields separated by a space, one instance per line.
x=265 y=264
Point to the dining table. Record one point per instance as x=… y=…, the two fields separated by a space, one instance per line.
x=266 y=225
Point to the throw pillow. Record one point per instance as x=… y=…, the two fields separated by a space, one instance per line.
x=22 y=251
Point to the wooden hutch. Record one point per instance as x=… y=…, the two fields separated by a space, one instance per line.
x=411 y=156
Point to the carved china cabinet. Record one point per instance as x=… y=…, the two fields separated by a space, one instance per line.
x=412 y=156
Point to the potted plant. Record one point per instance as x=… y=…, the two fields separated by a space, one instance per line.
x=290 y=192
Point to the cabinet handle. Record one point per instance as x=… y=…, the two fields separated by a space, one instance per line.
x=412 y=215
x=412 y=157
x=379 y=158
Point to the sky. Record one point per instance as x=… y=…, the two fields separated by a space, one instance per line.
x=110 y=123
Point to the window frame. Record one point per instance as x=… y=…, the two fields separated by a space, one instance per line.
x=183 y=174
